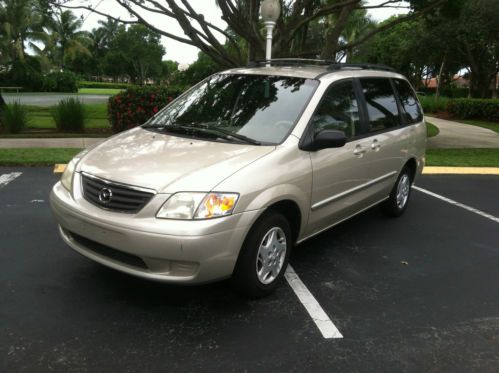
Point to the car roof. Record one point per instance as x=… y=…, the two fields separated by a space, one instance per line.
x=317 y=71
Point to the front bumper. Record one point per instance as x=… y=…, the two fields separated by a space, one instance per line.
x=139 y=244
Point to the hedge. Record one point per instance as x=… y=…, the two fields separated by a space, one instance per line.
x=474 y=108
x=87 y=84
x=135 y=106
x=431 y=104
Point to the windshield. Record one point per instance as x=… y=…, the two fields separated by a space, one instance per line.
x=241 y=108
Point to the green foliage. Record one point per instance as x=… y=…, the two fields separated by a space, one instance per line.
x=14 y=117
x=464 y=108
x=137 y=52
x=69 y=115
x=197 y=71
x=25 y=74
x=63 y=81
x=87 y=84
x=135 y=106
x=432 y=104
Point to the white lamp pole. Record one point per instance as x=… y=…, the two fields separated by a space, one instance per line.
x=270 y=10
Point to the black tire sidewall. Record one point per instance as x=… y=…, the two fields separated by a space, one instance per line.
x=390 y=206
x=245 y=277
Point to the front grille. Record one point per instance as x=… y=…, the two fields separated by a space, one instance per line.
x=119 y=256
x=114 y=196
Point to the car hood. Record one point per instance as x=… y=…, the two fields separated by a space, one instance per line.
x=168 y=163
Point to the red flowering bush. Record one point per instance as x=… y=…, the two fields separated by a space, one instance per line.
x=135 y=106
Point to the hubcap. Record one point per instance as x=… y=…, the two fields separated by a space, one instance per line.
x=271 y=255
x=403 y=189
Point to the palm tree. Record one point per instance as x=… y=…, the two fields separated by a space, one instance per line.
x=21 y=23
x=109 y=29
x=66 y=37
x=358 y=24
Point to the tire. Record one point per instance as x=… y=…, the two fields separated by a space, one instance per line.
x=258 y=272
x=398 y=200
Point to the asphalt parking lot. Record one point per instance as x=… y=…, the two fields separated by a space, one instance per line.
x=417 y=293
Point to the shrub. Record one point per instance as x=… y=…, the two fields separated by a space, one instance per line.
x=474 y=108
x=86 y=84
x=432 y=104
x=15 y=117
x=69 y=115
x=63 y=81
x=135 y=106
x=26 y=75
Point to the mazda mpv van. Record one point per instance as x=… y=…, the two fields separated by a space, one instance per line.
x=227 y=178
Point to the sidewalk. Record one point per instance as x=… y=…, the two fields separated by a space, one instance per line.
x=50 y=143
x=454 y=135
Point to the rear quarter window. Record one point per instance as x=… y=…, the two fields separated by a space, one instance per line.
x=381 y=104
x=411 y=109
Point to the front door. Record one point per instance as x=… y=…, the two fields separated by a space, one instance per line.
x=339 y=174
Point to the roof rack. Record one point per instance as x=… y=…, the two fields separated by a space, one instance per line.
x=360 y=66
x=288 y=62
x=331 y=65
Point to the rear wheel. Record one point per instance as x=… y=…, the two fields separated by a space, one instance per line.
x=397 y=202
x=264 y=256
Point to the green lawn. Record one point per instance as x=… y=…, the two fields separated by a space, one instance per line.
x=431 y=130
x=434 y=157
x=481 y=123
x=41 y=117
x=99 y=91
x=463 y=157
x=36 y=156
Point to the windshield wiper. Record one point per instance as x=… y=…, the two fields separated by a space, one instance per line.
x=224 y=132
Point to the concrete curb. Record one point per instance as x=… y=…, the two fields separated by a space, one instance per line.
x=461 y=170
x=430 y=170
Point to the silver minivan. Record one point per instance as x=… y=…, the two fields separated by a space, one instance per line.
x=227 y=178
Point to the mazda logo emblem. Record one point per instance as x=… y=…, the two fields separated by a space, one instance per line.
x=105 y=195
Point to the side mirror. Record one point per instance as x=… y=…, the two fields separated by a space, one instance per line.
x=326 y=139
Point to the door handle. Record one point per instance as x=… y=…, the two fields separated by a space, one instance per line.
x=359 y=151
x=375 y=145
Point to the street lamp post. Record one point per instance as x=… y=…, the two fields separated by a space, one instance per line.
x=270 y=11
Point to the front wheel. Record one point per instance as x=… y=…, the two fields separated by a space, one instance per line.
x=397 y=202
x=264 y=256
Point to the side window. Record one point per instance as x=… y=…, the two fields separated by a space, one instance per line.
x=381 y=104
x=412 y=111
x=338 y=110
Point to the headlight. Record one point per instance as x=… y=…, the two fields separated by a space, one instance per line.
x=187 y=205
x=67 y=175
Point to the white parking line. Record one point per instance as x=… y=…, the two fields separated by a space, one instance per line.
x=314 y=309
x=458 y=204
x=7 y=178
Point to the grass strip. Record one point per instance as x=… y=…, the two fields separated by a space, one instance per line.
x=36 y=156
x=434 y=157
x=463 y=157
x=481 y=123
x=431 y=130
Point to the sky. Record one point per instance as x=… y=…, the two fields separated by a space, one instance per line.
x=182 y=53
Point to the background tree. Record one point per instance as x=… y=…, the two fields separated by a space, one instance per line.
x=66 y=37
x=137 y=52
x=328 y=17
x=21 y=23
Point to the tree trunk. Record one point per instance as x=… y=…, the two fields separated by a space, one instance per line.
x=494 y=87
x=439 y=78
x=333 y=33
